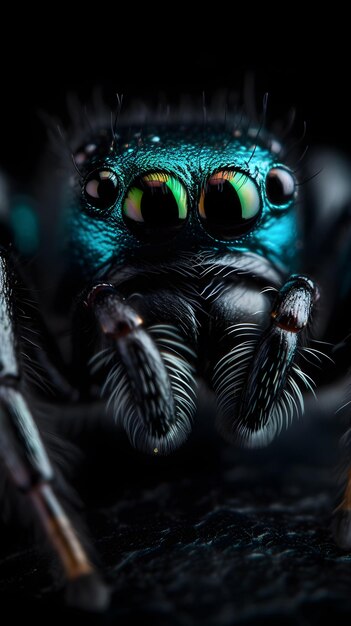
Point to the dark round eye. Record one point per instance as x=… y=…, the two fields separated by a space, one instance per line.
x=101 y=189
x=280 y=186
x=229 y=205
x=155 y=206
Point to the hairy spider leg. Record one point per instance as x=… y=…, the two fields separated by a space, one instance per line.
x=28 y=466
x=151 y=389
x=256 y=391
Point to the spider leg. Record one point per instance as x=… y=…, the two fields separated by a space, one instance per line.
x=341 y=524
x=29 y=469
x=327 y=236
x=341 y=518
x=150 y=381
x=251 y=378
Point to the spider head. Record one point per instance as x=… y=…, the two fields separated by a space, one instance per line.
x=165 y=217
x=168 y=191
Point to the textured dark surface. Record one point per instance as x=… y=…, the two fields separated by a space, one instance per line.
x=213 y=536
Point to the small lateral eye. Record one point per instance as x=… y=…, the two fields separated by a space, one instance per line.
x=101 y=189
x=230 y=204
x=155 y=206
x=280 y=186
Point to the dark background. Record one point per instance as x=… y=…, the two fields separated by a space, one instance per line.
x=295 y=69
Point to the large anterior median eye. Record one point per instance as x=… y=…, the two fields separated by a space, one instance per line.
x=155 y=206
x=101 y=189
x=229 y=205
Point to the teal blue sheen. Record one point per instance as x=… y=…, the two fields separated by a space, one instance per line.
x=25 y=226
x=93 y=237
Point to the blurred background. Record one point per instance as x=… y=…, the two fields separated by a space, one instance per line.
x=312 y=78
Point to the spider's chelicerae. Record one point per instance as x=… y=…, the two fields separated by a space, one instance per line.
x=169 y=248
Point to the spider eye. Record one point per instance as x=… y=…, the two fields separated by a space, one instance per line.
x=280 y=186
x=229 y=205
x=155 y=206
x=101 y=189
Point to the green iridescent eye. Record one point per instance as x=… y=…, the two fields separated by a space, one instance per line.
x=230 y=204
x=155 y=206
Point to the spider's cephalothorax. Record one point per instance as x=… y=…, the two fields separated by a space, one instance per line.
x=173 y=251
x=190 y=238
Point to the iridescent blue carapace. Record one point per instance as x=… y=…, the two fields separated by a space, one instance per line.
x=175 y=189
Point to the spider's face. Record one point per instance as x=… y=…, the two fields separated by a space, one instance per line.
x=193 y=233
x=170 y=192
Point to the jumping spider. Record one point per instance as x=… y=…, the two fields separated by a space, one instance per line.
x=169 y=249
